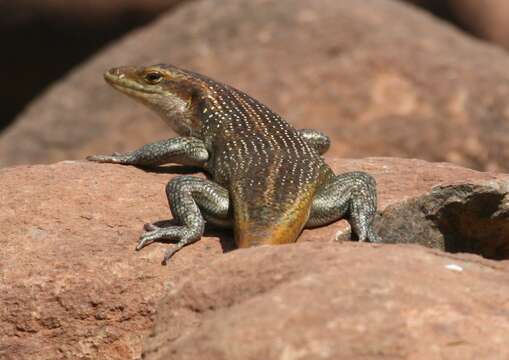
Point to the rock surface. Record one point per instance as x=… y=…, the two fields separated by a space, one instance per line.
x=414 y=87
x=72 y=286
x=330 y=301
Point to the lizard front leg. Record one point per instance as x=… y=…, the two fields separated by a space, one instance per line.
x=192 y=200
x=317 y=139
x=180 y=150
x=352 y=194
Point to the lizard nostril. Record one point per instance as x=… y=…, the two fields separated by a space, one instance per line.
x=112 y=75
x=113 y=72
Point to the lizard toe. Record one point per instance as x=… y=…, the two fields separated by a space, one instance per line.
x=150 y=227
x=96 y=158
x=116 y=158
x=373 y=236
x=168 y=253
x=148 y=237
x=101 y=158
x=172 y=233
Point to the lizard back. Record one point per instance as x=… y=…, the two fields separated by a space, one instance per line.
x=270 y=171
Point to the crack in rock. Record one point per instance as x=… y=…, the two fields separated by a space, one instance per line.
x=468 y=218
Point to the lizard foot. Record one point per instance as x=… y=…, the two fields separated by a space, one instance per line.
x=372 y=236
x=365 y=232
x=155 y=233
x=152 y=233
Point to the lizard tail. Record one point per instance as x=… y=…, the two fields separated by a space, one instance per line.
x=251 y=235
x=260 y=225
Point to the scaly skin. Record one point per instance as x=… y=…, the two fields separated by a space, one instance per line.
x=266 y=179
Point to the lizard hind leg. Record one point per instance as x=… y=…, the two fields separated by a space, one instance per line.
x=352 y=194
x=192 y=200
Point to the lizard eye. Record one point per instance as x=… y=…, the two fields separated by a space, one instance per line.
x=153 y=77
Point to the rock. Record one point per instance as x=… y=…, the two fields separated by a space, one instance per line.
x=73 y=286
x=440 y=8
x=62 y=34
x=487 y=19
x=413 y=87
x=336 y=301
x=91 y=13
x=438 y=205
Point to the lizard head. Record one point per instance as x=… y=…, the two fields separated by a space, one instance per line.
x=170 y=91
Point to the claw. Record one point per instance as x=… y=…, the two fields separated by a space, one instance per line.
x=364 y=238
x=101 y=158
x=149 y=236
x=168 y=254
x=115 y=158
x=150 y=227
x=155 y=233
x=146 y=239
x=373 y=236
x=93 y=157
x=141 y=244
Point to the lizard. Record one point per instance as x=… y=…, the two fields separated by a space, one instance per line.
x=266 y=179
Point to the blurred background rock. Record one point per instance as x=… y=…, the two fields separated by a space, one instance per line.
x=406 y=88
x=486 y=19
x=43 y=39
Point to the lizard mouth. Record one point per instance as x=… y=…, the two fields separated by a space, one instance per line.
x=121 y=82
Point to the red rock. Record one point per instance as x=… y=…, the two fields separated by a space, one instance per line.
x=336 y=301
x=414 y=87
x=72 y=285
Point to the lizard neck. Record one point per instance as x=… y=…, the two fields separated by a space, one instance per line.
x=179 y=116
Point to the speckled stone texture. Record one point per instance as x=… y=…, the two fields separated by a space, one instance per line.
x=72 y=286
x=415 y=87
